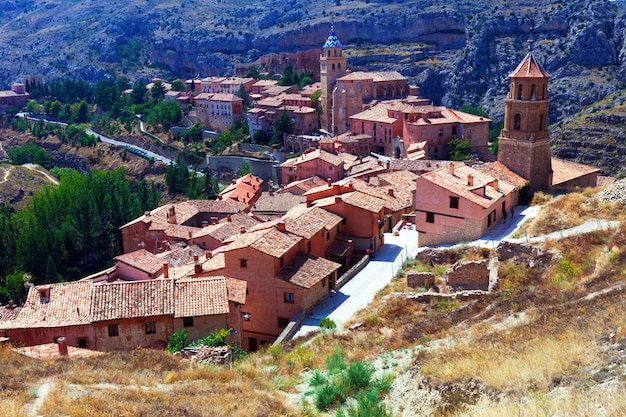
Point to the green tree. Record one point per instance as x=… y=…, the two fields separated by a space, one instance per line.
x=459 y=149
x=178 y=85
x=139 y=92
x=475 y=110
x=288 y=77
x=244 y=169
x=29 y=153
x=194 y=133
x=51 y=271
x=254 y=72
x=8 y=235
x=261 y=136
x=211 y=187
x=33 y=107
x=282 y=125
x=157 y=91
x=242 y=93
x=82 y=112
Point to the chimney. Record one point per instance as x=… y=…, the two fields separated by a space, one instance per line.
x=171 y=215
x=197 y=268
x=281 y=226
x=470 y=180
x=214 y=220
x=329 y=182
x=208 y=254
x=338 y=199
x=219 y=197
x=242 y=229
x=11 y=305
x=195 y=257
x=229 y=218
x=205 y=223
x=451 y=168
x=271 y=193
x=190 y=234
x=62 y=342
x=166 y=270
x=495 y=184
x=390 y=192
x=233 y=182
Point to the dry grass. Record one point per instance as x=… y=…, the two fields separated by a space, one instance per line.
x=570 y=210
x=594 y=401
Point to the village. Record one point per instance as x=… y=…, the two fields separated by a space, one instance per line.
x=258 y=256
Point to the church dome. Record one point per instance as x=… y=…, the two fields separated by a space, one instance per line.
x=332 y=41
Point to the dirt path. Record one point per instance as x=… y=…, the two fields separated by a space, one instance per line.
x=41 y=394
x=7 y=172
x=37 y=168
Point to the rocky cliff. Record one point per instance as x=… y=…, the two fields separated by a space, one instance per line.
x=457 y=51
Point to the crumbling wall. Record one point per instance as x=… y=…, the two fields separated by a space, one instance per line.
x=420 y=279
x=470 y=275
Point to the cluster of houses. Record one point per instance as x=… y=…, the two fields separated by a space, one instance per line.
x=254 y=258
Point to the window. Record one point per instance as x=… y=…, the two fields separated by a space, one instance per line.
x=327 y=235
x=83 y=342
x=440 y=132
x=187 y=321
x=243 y=263
x=308 y=246
x=282 y=261
x=289 y=297
x=454 y=202
x=114 y=330
x=430 y=217
x=517 y=121
x=519 y=92
x=283 y=322
x=454 y=130
x=150 y=327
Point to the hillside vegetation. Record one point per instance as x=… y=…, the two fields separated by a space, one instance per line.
x=548 y=341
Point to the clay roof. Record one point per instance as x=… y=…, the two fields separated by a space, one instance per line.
x=417 y=166
x=529 y=67
x=277 y=202
x=270 y=241
x=265 y=83
x=204 y=296
x=306 y=223
x=142 y=260
x=227 y=228
x=7 y=314
x=237 y=289
x=226 y=97
x=378 y=113
x=306 y=270
x=498 y=170
x=563 y=171
x=457 y=183
x=68 y=304
x=124 y=300
x=246 y=189
x=316 y=154
x=357 y=76
x=302 y=186
x=236 y=81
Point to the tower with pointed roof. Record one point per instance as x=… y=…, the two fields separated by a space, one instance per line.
x=332 y=66
x=524 y=145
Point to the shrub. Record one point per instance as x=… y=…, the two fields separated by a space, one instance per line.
x=329 y=394
x=217 y=338
x=336 y=362
x=317 y=379
x=327 y=323
x=177 y=341
x=358 y=376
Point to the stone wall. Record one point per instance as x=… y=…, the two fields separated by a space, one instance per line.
x=471 y=275
x=420 y=279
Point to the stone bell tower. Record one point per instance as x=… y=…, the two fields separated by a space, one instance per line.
x=524 y=145
x=332 y=66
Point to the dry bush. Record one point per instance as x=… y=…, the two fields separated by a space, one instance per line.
x=519 y=360
x=594 y=401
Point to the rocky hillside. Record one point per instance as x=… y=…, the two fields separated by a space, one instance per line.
x=457 y=51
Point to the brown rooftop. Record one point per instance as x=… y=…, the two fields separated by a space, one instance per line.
x=306 y=270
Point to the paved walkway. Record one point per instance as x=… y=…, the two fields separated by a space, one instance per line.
x=360 y=290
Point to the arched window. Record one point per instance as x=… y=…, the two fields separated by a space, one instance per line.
x=545 y=94
x=329 y=52
x=533 y=92
x=517 y=121
x=339 y=66
x=519 y=92
x=333 y=67
x=335 y=52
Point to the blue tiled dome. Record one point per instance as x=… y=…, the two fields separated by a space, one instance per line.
x=332 y=41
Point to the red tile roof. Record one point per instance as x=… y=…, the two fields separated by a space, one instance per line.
x=564 y=171
x=237 y=289
x=142 y=260
x=458 y=183
x=529 y=67
x=306 y=270
x=124 y=300
x=200 y=297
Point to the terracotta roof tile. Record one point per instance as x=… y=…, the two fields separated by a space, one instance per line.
x=277 y=202
x=564 y=171
x=529 y=67
x=498 y=170
x=68 y=304
x=237 y=289
x=124 y=300
x=458 y=183
x=306 y=270
x=143 y=260
x=270 y=241
x=200 y=297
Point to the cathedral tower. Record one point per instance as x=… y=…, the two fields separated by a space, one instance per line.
x=524 y=145
x=332 y=66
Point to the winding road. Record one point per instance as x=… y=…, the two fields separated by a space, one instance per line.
x=105 y=139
